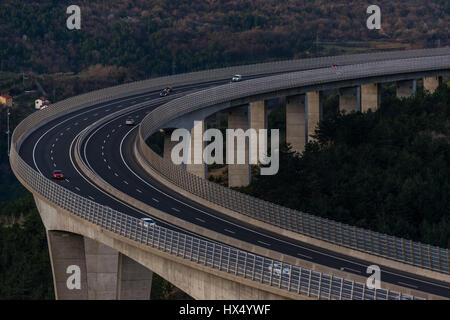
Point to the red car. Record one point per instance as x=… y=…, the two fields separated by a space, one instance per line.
x=58 y=175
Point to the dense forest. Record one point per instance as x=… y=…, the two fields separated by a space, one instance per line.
x=387 y=171
x=165 y=36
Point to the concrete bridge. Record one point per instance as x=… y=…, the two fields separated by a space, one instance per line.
x=210 y=241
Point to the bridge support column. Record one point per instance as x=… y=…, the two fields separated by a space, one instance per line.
x=135 y=280
x=314 y=112
x=349 y=99
x=67 y=257
x=197 y=165
x=431 y=83
x=258 y=120
x=296 y=122
x=406 y=88
x=239 y=175
x=168 y=144
x=101 y=272
x=370 y=97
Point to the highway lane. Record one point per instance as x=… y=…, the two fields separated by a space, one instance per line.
x=49 y=154
x=118 y=167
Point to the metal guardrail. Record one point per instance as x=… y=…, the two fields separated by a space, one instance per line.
x=383 y=245
x=220 y=257
x=217 y=256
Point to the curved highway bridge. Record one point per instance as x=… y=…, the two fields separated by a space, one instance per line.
x=210 y=241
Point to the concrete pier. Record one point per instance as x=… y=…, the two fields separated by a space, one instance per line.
x=67 y=257
x=406 y=89
x=197 y=165
x=370 y=97
x=258 y=120
x=431 y=83
x=296 y=122
x=168 y=144
x=239 y=175
x=314 y=112
x=86 y=269
x=349 y=99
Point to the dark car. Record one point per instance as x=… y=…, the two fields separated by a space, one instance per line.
x=164 y=92
x=57 y=174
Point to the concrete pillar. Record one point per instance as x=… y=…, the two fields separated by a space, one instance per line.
x=370 y=97
x=168 y=144
x=406 y=88
x=135 y=280
x=66 y=250
x=314 y=112
x=349 y=99
x=197 y=165
x=102 y=265
x=105 y=273
x=296 y=122
x=258 y=120
x=431 y=83
x=239 y=175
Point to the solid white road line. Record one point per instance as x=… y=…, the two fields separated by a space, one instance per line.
x=305 y=256
x=407 y=285
x=349 y=269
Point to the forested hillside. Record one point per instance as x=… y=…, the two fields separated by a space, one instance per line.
x=165 y=36
x=387 y=171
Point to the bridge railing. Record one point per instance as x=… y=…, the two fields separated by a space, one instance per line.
x=218 y=256
x=383 y=245
x=201 y=251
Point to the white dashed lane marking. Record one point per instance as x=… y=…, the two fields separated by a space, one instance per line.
x=78 y=189
x=201 y=220
x=264 y=243
x=156 y=200
x=125 y=182
x=175 y=209
x=229 y=231
x=138 y=190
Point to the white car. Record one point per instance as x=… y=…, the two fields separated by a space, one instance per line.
x=130 y=122
x=236 y=78
x=277 y=269
x=147 y=222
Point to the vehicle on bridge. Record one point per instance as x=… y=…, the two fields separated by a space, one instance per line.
x=147 y=222
x=165 y=92
x=236 y=78
x=130 y=122
x=57 y=175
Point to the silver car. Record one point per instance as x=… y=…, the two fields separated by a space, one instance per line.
x=236 y=78
x=130 y=122
x=147 y=222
